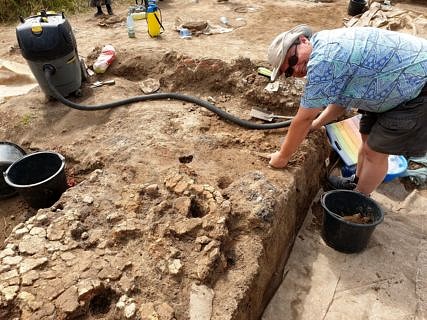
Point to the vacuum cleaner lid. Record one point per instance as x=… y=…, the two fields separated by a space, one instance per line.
x=45 y=37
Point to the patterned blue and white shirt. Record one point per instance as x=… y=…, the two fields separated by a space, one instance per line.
x=365 y=68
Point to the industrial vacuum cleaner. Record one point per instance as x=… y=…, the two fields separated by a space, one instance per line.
x=46 y=41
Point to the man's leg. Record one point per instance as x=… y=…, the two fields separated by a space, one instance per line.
x=360 y=156
x=372 y=169
x=109 y=9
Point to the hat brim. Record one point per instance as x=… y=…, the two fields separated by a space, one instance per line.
x=275 y=72
x=292 y=36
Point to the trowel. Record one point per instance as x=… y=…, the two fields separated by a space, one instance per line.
x=97 y=84
x=259 y=114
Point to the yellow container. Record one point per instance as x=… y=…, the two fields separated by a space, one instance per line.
x=154 y=21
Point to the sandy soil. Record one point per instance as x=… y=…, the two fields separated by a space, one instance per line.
x=170 y=60
x=137 y=155
x=321 y=283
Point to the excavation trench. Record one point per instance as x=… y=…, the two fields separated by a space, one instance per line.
x=168 y=204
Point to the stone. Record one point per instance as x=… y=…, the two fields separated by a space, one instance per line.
x=197 y=188
x=181 y=187
x=38 y=231
x=203 y=240
x=53 y=246
x=171 y=181
x=186 y=226
x=126 y=283
x=109 y=273
x=68 y=300
x=31 y=245
x=130 y=310
x=9 y=292
x=56 y=231
x=7 y=252
x=42 y=219
x=128 y=228
x=94 y=176
x=201 y=298
x=165 y=311
x=121 y=304
x=48 y=274
x=147 y=312
x=114 y=217
x=4 y=268
x=66 y=256
x=210 y=245
x=53 y=288
x=149 y=85
x=30 y=263
x=29 y=278
x=182 y=205
x=28 y=299
x=18 y=226
x=12 y=260
x=9 y=275
x=87 y=287
x=88 y=199
x=152 y=190
x=175 y=266
x=20 y=232
x=46 y=310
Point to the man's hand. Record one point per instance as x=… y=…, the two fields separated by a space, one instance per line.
x=277 y=160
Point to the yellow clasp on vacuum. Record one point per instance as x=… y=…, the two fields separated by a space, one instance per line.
x=36 y=28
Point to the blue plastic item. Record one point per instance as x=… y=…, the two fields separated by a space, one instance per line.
x=397 y=165
x=348 y=171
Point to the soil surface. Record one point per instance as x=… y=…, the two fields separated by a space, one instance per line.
x=167 y=202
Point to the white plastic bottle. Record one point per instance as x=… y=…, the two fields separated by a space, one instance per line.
x=130 y=26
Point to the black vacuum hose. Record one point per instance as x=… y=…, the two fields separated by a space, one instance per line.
x=50 y=70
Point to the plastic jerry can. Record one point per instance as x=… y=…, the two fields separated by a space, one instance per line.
x=154 y=21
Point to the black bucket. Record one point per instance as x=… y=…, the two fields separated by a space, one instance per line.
x=39 y=178
x=346 y=236
x=356 y=7
x=9 y=153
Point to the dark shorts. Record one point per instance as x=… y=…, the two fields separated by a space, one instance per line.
x=399 y=131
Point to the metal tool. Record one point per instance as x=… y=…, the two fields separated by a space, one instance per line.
x=259 y=114
x=101 y=83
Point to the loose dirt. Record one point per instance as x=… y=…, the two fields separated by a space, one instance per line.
x=166 y=199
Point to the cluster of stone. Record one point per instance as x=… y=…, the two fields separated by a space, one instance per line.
x=95 y=252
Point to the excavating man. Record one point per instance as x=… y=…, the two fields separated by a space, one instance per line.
x=381 y=73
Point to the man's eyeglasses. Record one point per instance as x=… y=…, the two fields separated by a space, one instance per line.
x=292 y=61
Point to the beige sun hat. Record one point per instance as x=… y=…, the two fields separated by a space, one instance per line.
x=281 y=44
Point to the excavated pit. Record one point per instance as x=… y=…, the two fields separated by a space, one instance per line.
x=168 y=203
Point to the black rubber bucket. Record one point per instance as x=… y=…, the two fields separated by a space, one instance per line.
x=9 y=153
x=39 y=178
x=346 y=236
x=356 y=7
